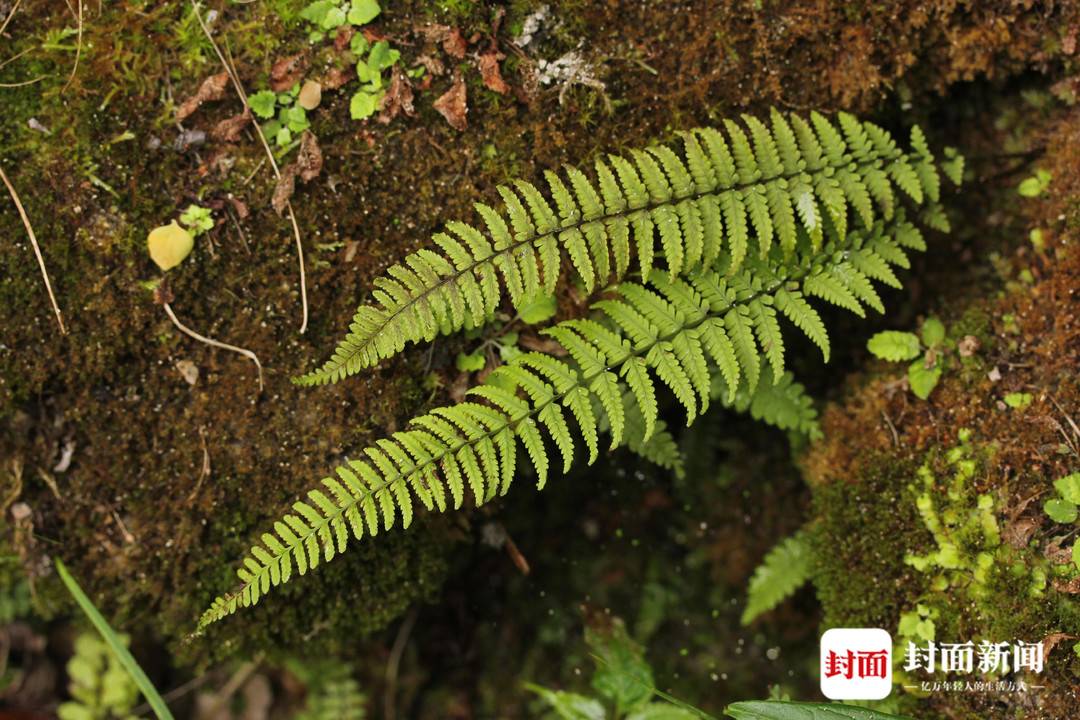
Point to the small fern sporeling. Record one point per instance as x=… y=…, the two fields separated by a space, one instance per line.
x=716 y=191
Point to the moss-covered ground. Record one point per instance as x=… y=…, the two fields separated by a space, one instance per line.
x=150 y=487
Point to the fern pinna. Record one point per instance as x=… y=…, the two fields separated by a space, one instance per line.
x=713 y=191
x=719 y=321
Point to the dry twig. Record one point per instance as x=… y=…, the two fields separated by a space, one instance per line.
x=11 y=14
x=215 y=343
x=37 y=250
x=78 y=49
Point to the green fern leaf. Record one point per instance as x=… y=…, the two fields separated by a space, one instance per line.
x=661 y=328
x=712 y=192
x=783 y=571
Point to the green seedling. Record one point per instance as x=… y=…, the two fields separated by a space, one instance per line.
x=328 y=15
x=928 y=350
x=286 y=118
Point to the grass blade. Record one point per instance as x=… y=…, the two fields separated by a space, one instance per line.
x=109 y=635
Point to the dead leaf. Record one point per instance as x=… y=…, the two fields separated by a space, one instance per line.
x=489 y=70
x=372 y=35
x=229 y=129
x=454 y=44
x=283 y=191
x=343 y=37
x=335 y=78
x=212 y=88
x=287 y=72
x=398 y=98
x=308 y=165
x=1018 y=532
x=1053 y=639
x=432 y=64
x=542 y=344
x=968 y=346
x=240 y=207
x=310 y=95
x=309 y=161
x=453 y=106
x=188 y=370
x=1072 y=587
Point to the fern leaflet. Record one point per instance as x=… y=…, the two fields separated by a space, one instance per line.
x=784 y=570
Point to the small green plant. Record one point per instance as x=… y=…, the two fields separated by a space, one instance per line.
x=929 y=350
x=100 y=687
x=197 y=220
x=285 y=118
x=1062 y=508
x=116 y=646
x=329 y=15
x=781 y=710
x=1036 y=185
x=380 y=57
x=332 y=691
x=622 y=681
x=965 y=537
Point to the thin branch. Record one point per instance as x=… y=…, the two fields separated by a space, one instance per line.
x=78 y=50
x=10 y=15
x=24 y=83
x=15 y=57
x=230 y=68
x=37 y=250
x=215 y=343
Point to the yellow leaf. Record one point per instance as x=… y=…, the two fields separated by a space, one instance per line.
x=169 y=245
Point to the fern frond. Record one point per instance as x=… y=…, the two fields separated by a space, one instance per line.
x=783 y=404
x=785 y=569
x=679 y=332
x=713 y=191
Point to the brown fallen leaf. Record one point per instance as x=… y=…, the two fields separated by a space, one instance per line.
x=432 y=64
x=335 y=78
x=284 y=189
x=453 y=104
x=308 y=166
x=1053 y=639
x=343 y=37
x=287 y=72
x=229 y=129
x=489 y=70
x=398 y=98
x=309 y=161
x=239 y=206
x=212 y=88
x=454 y=44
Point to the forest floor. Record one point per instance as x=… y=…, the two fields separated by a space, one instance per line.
x=149 y=461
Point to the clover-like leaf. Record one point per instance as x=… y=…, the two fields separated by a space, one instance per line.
x=894 y=346
x=1060 y=510
x=361 y=12
x=263 y=103
x=933 y=332
x=922 y=379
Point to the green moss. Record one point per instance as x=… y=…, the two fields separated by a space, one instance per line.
x=860 y=539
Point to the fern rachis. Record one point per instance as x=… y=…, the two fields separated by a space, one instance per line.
x=720 y=194
x=717 y=321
